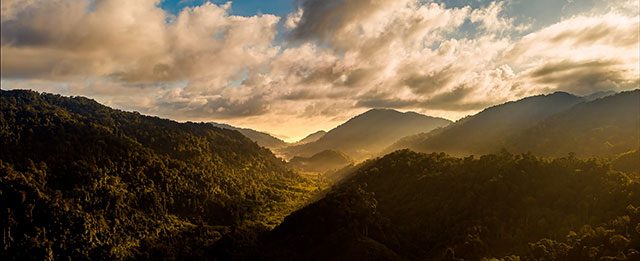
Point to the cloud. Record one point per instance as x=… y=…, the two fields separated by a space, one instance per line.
x=335 y=58
x=584 y=77
x=199 y=107
x=131 y=41
x=581 y=54
x=491 y=21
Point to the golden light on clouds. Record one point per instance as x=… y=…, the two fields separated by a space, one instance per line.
x=316 y=67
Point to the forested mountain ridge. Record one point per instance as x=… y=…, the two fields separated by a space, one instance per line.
x=602 y=124
x=367 y=134
x=416 y=206
x=311 y=137
x=601 y=127
x=486 y=131
x=80 y=180
x=263 y=139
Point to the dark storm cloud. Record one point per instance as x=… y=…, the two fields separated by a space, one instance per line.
x=584 y=77
x=321 y=19
x=454 y=100
x=428 y=83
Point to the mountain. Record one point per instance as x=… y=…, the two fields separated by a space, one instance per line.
x=487 y=131
x=311 y=137
x=411 y=141
x=598 y=95
x=263 y=139
x=321 y=162
x=602 y=127
x=368 y=133
x=414 y=206
x=79 y=180
x=627 y=162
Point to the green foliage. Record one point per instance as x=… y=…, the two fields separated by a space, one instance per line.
x=432 y=206
x=81 y=180
x=617 y=239
x=628 y=161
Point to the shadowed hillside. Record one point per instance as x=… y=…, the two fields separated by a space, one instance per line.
x=602 y=127
x=487 y=131
x=416 y=206
x=549 y=125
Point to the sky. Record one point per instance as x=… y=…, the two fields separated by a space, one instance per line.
x=291 y=68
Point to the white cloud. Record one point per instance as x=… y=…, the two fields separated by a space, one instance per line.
x=338 y=58
x=131 y=41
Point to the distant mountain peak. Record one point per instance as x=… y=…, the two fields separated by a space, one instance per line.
x=373 y=110
x=312 y=137
x=368 y=133
x=389 y=112
x=559 y=93
x=598 y=95
x=377 y=111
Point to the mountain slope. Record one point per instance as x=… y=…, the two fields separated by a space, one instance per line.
x=368 y=133
x=602 y=127
x=321 y=162
x=263 y=139
x=417 y=206
x=311 y=137
x=80 y=180
x=487 y=131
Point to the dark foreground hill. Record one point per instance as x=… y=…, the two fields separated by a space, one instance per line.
x=417 y=206
x=82 y=181
x=367 y=134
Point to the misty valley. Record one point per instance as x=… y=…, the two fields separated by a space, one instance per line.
x=546 y=177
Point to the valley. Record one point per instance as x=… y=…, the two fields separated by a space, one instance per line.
x=82 y=180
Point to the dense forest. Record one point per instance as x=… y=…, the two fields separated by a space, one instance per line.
x=409 y=205
x=81 y=180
